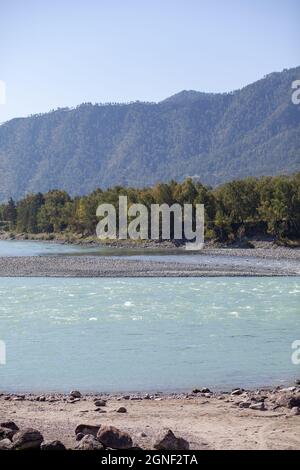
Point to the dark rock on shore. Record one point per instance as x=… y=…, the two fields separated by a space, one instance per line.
x=122 y=409
x=5 y=444
x=168 y=441
x=289 y=400
x=75 y=394
x=237 y=391
x=87 y=429
x=27 y=439
x=294 y=401
x=245 y=404
x=260 y=406
x=9 y=425
x=113 y=438
x=52 y=445
x=89 y=442
x=99 y=402
x=6 y=433
x=201 y=390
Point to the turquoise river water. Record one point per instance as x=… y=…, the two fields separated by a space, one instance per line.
x=148 y=334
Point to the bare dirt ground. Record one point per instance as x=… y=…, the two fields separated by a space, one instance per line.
x=206 y=423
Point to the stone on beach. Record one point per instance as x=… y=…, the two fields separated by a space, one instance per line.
x=5 y=444
x=245 y=404
x=27 y=439
x=166 y=440
x=99 y=402
x=260 y=406
x=99 y=410
x=89 y=442
x=288 y=400
x=113 y=438
x=75 y=394
x=9 y=425
x=6 y=433
x=52 y=445
x=201 y=390
x=86 y=429
x=294 y=401
x=122 y=409
x=237 y=391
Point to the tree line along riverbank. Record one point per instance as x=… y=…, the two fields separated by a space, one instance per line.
x=234 y=212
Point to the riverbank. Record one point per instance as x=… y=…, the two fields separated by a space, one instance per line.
x=266 y=242
x=259 y=419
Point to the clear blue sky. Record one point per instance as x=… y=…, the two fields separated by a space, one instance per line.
x=56 y=53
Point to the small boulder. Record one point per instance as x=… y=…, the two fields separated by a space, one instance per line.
x=288 y=400
x=260 y=406
x=5 y=444
x=201 y=390
x=166 y=440
x=52 y=445
x=289 y=389
x=122 y=409
x=294 y=401
x=86 y=429
x=27 y=439
x=75 y=394
x=89 y=442
x=245 y=404
x=98 y=403
x=113 y=438
x=237 y=391
x=295 y=411
x=6 y=433
x=9 y=425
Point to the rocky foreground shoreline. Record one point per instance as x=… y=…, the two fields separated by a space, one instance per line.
x=201 y=419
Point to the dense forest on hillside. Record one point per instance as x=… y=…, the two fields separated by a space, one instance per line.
x=253 y=206
x=254 y=131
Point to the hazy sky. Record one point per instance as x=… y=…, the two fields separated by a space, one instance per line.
x=63 y=52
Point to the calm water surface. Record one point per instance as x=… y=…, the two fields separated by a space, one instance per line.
x=148 y=334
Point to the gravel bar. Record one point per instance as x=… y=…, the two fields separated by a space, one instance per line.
x=226 y=263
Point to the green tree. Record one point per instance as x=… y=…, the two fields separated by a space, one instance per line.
x=10 y=213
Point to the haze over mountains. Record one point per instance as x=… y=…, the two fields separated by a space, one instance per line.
x=218 y=137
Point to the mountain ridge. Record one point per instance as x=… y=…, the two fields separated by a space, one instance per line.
x=219 y=136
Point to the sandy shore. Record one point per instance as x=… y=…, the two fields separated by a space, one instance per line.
x=209 y=262
x=206 y=420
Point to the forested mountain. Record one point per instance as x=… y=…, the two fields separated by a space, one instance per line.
x=253 y=131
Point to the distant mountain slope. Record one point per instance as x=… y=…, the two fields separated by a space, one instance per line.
x=253 y=131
